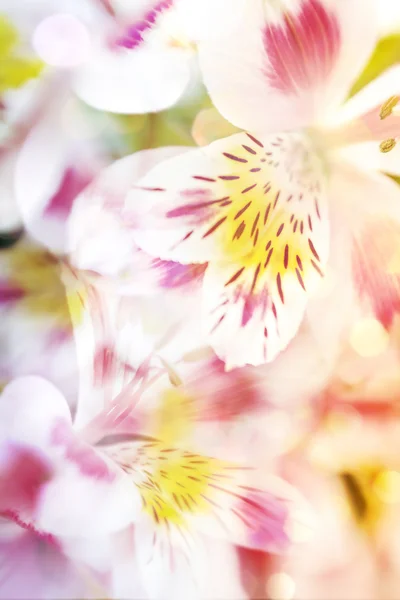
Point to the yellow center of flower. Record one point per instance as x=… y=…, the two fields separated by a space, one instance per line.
x=263 y=218
x=176 y=483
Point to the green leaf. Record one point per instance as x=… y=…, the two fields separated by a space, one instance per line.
x=386 y=54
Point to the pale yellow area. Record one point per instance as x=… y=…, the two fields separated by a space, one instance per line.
x=176 y=483
x=173 y=419
x=369 y=338
x=37 y=274
x=387 y=486
x=281 y=586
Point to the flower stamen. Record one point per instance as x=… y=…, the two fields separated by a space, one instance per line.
x=387 y=145
x=388 y=106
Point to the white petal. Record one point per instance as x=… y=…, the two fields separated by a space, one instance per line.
x=30 y=409
x=40 y=167
x=369 y=97
x=284 y=69
x=99 y=238
x=78 y=503
x=132 y=81
x=10 y=215
x=200 y=569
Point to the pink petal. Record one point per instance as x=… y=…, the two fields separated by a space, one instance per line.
x=284 y=68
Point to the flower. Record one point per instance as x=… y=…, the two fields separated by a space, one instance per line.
x=264 y=207
x=153 y=478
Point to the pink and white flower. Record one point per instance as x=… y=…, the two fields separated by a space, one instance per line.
x=178 y=498
x=263 y=207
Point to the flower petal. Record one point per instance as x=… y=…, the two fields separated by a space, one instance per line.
x=10 y=217
x=190 y=567
x=45 y=196
x=33 y=567
x=88 y=497
x=35 y=401
x=99 y=238
x=180 y=489
x=23 y=472
x=142 y=70
x=372 y=220
x=256 y=211
x=283 y=69
x=196 y=207
x=370 y=98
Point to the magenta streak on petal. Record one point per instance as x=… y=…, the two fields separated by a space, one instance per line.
x=10 y=293
x=72 y=183
x=133 y=36
x=177 y=275
x=22 y=477
x=303 y=49
x=213 y=385
x=81 y=454
x=266 y=516
x=252 y=302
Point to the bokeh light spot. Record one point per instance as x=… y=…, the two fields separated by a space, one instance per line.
x=281 y=586
x=62 y=41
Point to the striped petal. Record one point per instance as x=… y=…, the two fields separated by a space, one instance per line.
x=256 y=212
x=288 y=66
x=182 y=490
x=373 y=231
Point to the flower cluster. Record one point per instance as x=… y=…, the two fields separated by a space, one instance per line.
x=199 y=298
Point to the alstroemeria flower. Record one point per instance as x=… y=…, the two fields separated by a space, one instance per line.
x=261 y=206
x=171 y=493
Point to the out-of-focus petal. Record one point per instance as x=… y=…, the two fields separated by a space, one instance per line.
x=10 y=215
x=35 y=567
x=99 y=237
x=88 y=496
x=31 y=408
x=44 y=196
x=23 y=472
x=134 y=76
x=287 y=67
x=369 y=99
x=373 y=222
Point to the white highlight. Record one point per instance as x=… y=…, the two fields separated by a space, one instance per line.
x=62 y=41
